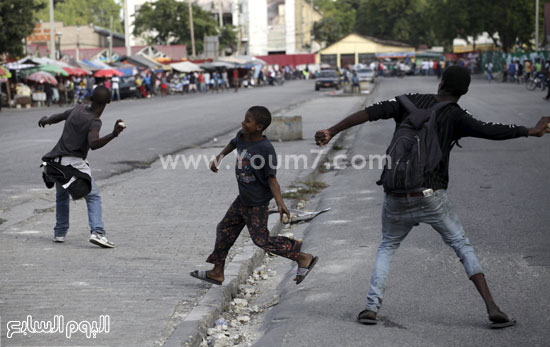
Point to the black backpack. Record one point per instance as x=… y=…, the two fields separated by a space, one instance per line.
x=414 y=149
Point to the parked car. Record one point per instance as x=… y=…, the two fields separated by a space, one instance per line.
x=127 y=87
x=327 y=79
x=365 y=75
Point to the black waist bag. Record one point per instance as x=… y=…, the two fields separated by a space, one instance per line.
x=57 y=173
x=414 y=149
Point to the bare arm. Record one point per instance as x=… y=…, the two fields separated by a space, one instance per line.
x=322 y=137
x=96 y=142
x=53 y=119
x=216 y=162
x=276 y=191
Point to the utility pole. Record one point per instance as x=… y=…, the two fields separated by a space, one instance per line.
x=537 y=26
x=220 y=13
x=111 y=39
x=311 y=26
x=127 y=29
x=78 y=42
x=191 y=29
x=52 y=39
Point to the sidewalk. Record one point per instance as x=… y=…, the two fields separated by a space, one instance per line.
x=163 y=223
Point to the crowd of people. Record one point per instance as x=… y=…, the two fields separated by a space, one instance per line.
x=532 y=73
x=147 y=83
x=150 y=83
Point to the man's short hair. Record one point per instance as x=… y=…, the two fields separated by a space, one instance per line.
x=261 y=115
x=456 y=80
x=101 y=95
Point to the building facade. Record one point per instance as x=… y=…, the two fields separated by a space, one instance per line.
x=357 y=49
x=274 y=26
x=264 y=26
x=70 y=37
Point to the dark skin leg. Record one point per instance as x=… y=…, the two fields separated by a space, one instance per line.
x=495 y=314
x=304 y=259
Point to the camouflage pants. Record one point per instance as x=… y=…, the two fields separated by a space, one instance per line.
x=255 y=218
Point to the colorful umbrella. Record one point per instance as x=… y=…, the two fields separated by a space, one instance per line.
x=108 y=73
x=53 y=69
x=4 y=73
x=76 y=71
x=41 y=77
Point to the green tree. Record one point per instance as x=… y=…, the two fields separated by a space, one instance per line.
x=509 y=22
x=228 y=38
x=338 y=20
x=17 y=20
x=459 y=18
x=399 y=20
x=84 y=12
x=514 y=21
x=167 y=22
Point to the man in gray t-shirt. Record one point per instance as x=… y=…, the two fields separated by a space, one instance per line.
x=80 y=133
x=79 y=121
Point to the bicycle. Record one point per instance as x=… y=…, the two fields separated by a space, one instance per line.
x=536 y=82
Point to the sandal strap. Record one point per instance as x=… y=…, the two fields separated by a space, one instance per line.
x=302 y=271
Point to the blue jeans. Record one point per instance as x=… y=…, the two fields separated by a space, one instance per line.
x=62 y=201
x=399 y=215
x=117 y=92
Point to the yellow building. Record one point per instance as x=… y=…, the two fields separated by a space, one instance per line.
x=355 y=48
x=305 y=15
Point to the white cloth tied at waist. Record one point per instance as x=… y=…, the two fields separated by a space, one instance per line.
x=79 y=164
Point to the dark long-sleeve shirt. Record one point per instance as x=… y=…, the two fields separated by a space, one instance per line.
x=453 y=123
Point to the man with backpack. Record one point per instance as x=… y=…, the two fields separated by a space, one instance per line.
x=416 y=176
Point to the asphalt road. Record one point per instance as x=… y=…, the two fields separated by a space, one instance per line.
x=161 y=125
x=500 y=191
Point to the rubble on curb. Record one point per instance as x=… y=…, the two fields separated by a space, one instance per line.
x=233 y=327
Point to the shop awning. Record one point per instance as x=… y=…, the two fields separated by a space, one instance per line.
x=185 y=66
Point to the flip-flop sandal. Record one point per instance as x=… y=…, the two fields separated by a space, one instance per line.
x=302 y=272
x=361 y=318
x=503 y=325
x=201 y=275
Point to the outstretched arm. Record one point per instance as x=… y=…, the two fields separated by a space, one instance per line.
x=53 y=119
x=469 y=126
x=96 y=142
x=216 y=162
x=322 y=137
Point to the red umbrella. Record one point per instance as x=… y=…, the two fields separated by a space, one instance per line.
x=41 y=77
x=108 y=73
x=76 y=71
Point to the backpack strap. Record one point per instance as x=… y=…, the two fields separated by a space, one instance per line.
x=406 y=102
x=438 y=106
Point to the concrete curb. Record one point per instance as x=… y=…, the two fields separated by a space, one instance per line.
x=203 y=316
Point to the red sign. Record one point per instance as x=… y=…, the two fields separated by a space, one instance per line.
x=39 y=34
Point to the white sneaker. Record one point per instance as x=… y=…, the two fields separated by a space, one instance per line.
x=59 y=239
x=101 y=241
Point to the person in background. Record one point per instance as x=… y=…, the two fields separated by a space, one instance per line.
x=115 y=81
x=236 y=79
x=489 y=69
